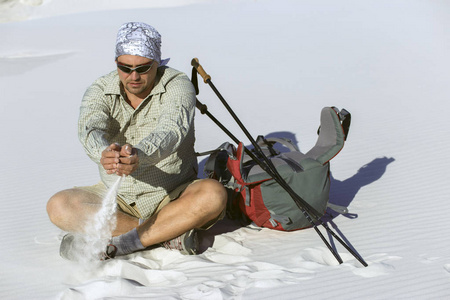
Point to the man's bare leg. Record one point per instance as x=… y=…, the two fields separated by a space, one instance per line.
x=199 y=204
x=72 y=209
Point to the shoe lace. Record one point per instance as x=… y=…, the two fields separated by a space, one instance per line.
x=173 y=244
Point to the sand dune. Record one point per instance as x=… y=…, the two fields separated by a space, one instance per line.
x=277 y=63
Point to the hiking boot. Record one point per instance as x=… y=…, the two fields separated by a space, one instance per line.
x=71 y=249
x=187 y=243
x=110 y=252
x=66 y=247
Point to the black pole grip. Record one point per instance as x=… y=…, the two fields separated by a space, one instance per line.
x=201 y=107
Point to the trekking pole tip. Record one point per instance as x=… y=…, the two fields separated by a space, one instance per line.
x=196 y=64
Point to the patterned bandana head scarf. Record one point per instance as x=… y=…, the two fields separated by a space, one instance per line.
x=136 y=38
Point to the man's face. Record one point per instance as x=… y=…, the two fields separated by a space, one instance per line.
x=137 y=84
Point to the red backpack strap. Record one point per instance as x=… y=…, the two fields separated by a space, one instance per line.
x=234 y=164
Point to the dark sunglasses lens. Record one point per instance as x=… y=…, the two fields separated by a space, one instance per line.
x=143 y=69
x=124 y=69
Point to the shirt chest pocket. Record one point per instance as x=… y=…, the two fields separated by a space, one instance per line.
x=147 y=120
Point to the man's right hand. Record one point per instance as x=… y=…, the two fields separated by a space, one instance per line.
x=110 y=158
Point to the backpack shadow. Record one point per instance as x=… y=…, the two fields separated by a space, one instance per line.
x=343 y=192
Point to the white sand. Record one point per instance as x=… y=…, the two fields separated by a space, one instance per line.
x=277 y=63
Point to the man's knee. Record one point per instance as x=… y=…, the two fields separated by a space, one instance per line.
x=211 y=196
x=56 y=206
x=65 y=204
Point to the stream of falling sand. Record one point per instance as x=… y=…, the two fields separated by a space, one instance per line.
x=98 y=231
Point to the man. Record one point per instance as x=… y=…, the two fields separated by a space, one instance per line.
x=138 y=122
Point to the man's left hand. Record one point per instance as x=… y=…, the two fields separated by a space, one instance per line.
x=128 y=160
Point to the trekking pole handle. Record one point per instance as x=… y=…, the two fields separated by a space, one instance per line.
x=195 y=63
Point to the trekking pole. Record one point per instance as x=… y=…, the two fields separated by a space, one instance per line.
x=267 y=166
x=308 y=211
x=273 y=172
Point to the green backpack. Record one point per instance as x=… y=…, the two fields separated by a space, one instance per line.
x=257 y=197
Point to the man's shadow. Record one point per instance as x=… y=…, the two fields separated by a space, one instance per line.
x=342 y=193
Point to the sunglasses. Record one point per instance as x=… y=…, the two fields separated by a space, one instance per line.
x=142 y=69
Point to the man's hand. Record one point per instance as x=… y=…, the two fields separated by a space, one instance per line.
x=128 y=160
x=121 y=160
x=110 y=158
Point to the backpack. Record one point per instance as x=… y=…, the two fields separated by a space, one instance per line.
x=256 y=196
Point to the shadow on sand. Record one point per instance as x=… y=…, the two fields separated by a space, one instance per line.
x=343 y=192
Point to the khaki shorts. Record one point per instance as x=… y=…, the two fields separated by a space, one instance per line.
x=100 y=190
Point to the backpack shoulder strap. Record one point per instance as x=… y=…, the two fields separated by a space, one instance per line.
x=215 y=165
x=283 y=141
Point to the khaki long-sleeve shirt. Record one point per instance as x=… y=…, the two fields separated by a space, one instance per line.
x=161 y=128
